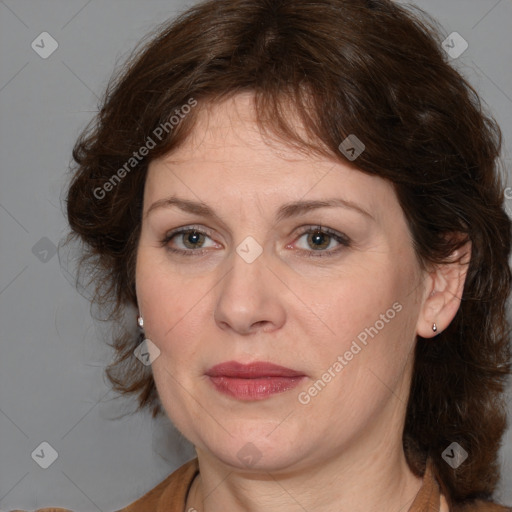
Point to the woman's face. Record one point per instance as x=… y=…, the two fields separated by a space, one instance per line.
x=297 y=261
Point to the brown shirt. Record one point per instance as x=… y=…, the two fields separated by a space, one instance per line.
x=170 y=495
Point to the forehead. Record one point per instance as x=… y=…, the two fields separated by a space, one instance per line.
x=226 y=156
x=232 y=123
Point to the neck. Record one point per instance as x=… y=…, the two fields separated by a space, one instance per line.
x=382 y=480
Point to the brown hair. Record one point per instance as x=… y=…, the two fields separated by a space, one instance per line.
x=364 y=67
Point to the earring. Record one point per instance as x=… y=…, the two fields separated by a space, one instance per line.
x=140 y=321
x=434 y=327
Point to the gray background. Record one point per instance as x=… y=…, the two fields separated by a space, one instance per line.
x=53 y=353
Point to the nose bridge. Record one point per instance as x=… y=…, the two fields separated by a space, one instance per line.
x=247 y=269
x=246 y=296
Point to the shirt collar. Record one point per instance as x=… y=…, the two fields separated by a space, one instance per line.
x=428 y=498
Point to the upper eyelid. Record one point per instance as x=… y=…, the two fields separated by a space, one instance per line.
x=208 y=231
x=302 y=231
x=183 y=229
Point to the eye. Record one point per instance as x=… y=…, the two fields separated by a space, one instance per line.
x=192 y=241
x=318 y=239
x=188 y=240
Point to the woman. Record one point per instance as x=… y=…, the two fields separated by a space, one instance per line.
x=302 y=202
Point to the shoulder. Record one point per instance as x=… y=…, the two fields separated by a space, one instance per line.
x=481 y=506
x=168 y=496
x=50 y=509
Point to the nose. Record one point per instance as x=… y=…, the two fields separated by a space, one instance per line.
x=250 y=298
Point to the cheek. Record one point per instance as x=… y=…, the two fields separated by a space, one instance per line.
x=158 y=300
x=354 y=301
x=364 y=361
x=368 y=319
x=175 y=319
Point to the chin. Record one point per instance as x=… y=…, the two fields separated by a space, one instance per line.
x=257 y=451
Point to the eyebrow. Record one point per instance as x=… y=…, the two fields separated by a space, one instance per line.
x=286 y=211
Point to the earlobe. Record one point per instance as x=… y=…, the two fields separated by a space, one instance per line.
x=445 y=286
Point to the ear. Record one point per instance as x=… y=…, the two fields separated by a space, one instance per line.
x=444 y=285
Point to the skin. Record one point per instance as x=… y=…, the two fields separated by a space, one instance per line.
x=342 y=451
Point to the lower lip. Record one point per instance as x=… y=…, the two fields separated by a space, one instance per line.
x=254 y=389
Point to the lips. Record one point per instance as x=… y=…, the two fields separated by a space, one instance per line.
x=255 y=381
x=232 y=369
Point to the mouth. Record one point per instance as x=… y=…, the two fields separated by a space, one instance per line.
x=254 y=381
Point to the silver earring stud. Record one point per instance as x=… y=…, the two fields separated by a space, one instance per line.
x=140 y=321
x=434 y=327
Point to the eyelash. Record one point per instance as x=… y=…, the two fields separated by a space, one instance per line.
x=342 y=239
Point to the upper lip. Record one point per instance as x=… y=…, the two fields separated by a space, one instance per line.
x=258 y=369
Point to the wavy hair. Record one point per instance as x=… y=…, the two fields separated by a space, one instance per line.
x=366 y=67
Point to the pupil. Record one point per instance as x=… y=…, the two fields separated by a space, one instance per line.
x=193 y=238
x=318 y=240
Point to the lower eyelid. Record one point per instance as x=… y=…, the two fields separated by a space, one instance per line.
x=197 y=251
x=311 y=253
x=341 y=239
